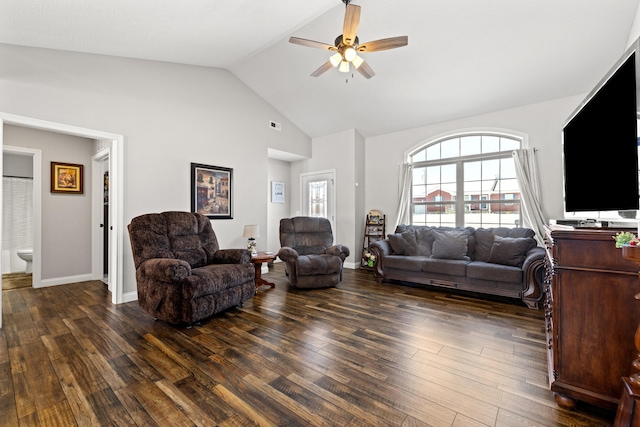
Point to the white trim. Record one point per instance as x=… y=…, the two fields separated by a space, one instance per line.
x=116 y=186
x=65 y=280
x=464 y=132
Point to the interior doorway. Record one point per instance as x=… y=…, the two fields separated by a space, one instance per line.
x=116 y=194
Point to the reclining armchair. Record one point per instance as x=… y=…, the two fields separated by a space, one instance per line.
x=181 y=273
x=312 y=261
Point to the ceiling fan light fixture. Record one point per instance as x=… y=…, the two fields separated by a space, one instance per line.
x=349 y=54
x=344 y=66
x=357 y=62
x=335 y=59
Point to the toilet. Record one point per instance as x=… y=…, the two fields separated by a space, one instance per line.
x=27 y=256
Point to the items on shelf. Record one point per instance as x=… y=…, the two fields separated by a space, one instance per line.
x=374 y=230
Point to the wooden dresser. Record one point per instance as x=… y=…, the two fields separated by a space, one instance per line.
x=591 y=316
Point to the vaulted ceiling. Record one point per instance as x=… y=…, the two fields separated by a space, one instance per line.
x=464 y=57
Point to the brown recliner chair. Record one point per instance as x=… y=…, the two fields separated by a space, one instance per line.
x=182 y=274
x=307 y=249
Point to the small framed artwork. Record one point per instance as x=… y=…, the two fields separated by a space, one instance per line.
x=212 y=191
x=277 y=192
x=66 y=178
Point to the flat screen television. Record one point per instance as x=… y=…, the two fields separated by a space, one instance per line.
x=600 y=144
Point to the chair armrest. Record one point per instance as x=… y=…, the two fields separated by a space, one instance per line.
x=165 y=269
x=287 y=254
x=338 y=250
x=231 y=256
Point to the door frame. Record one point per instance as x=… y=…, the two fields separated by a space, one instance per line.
x=116 y=187
x=332 y=196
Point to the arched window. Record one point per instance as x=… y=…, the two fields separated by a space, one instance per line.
x=466 y=181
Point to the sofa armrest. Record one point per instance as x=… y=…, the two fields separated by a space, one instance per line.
x=165 y=269
x=533 y=273
x=339 y=250
x=287 y=254
x=231 y=256
x=380 y=249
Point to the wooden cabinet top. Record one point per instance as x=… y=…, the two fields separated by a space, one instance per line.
x=587 y=249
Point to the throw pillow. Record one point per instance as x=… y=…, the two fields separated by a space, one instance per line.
x=404 y=243
x=510 y=250
x=450 y=244
x=424 y=237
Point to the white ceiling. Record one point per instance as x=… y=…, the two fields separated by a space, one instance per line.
x=465 y=57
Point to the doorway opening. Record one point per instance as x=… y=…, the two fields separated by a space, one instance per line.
x=318 y=196
x=116 y=167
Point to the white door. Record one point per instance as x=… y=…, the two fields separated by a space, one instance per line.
x=318 y=196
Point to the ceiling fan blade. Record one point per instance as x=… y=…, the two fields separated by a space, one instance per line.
x=311 y=43
x=366 y=70
x=323 y=69
x=384 y=44
x=351 y=23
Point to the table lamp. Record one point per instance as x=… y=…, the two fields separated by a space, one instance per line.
x=251 y=232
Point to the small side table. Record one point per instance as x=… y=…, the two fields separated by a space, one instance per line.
x=257 y=261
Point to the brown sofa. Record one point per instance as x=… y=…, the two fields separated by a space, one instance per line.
x=498 y=261
x=182 y=274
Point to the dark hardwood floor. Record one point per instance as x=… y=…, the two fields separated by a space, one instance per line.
x=362 y=354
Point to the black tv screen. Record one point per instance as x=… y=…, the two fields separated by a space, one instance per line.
x=600 y=144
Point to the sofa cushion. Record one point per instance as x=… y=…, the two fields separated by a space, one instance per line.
x=404 y=262
x=452 y=267
x=450 y=244
x=309 y=265
x=495 y=272
x=510 y=250
x=404 y=243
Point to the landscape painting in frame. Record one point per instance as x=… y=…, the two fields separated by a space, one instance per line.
x=66 y=178
x=211 y=191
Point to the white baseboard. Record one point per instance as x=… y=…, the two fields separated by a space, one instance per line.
x=130 y=296
x=352 y=265
x=63 y=280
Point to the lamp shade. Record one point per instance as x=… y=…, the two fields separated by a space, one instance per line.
x=251 y=231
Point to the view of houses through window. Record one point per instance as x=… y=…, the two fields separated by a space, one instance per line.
x=466 y=180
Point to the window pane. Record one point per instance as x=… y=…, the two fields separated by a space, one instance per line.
x=434 y=214
x=472 y=171
x=448 y=173
x=419 y=157
x=490 y=144
x=507 y=168
x=469 y=145
x=508 y=144
x=433 y=152
x=450 y=148
x=490 y=169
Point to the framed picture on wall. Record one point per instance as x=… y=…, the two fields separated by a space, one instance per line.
x=277 y=192
x=212 y=191
x=66 y=178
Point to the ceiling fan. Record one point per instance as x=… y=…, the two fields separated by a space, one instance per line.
x=347 y=46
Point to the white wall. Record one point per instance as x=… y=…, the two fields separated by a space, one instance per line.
x=343 y=152
x=170 y=115
x=542 y=123
x=66 y=219
x=279 y=171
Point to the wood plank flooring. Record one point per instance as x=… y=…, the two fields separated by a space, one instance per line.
x=361 y=354
x=12 y=281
